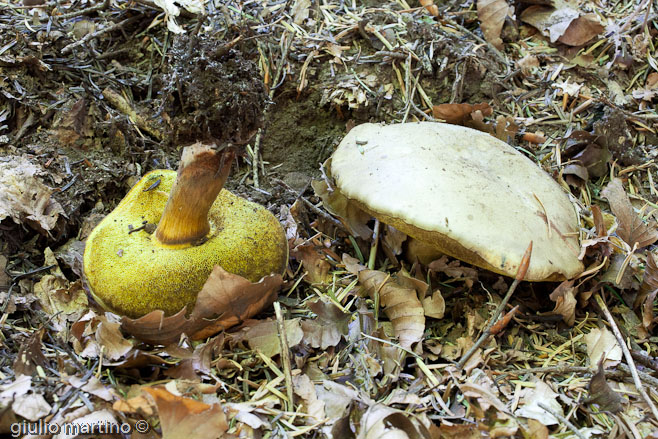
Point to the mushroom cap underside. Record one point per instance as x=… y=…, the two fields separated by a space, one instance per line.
x=132 y=274
x=465 y=192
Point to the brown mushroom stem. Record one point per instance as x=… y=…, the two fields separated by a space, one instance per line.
x=201 y=176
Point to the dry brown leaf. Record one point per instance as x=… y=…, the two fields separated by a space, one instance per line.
x=434 y=305
x=649 y=281
x=460 y=114
x=582 y=30
x=457 y=431
x=182 y=417
x=30 y=354
x=394 y=238
x=264 y=336
x=330 y=325
x=401 y=305
x=454 y=269
x=314 y=263
x=225 y=300
x=631 y=227
x=93 y=386
x=533 y=396
x=563 y=22
x=353 y=265
x=602 y=394
x=648 y=317
x=492 y=14
x=32 y=406
x=536 y=430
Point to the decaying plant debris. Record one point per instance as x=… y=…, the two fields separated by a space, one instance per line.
x=95 y=94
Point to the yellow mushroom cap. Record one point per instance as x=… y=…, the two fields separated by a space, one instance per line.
x=134 y=273
x=464 y=192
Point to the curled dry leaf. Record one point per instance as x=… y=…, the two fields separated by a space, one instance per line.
x=400 y=302
x=460 y=114
x=492 y=14
x=312 y=406
x=565 y=302
x=430 y=7
x=380 y=422
x=109 y=337
x=454 y=269
x=631 y=227
x=23 y=197
x=225 y=300
x=314 y=262
x=182 y=417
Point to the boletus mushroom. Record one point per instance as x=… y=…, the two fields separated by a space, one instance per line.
x=461 y=191
x=133 y=267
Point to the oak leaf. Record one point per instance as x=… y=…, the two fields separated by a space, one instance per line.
x=182 y=417
x=459 y=114
x=492 y=14
x=401 y=304
x=225 y=300
x=631 y=227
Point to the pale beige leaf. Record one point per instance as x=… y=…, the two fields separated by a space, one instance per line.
x=109 y=337
x=264 y=336
x=312 y=406
x=23 y=197
x=32 y=406
x=532 y=396
x=602 y=344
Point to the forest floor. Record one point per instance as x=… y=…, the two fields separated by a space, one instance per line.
x=93 y=95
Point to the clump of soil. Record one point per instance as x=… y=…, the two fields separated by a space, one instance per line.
x=214 y=92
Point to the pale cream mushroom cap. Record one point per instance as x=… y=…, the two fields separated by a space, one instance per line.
x=471 y=195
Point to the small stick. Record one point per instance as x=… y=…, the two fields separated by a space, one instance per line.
x=119 y=103
x=373 y=247
x=520 y=274
x=285 y=356
x=562 y=419
x=98 y=7
x=100 y=32
x=627 y=354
